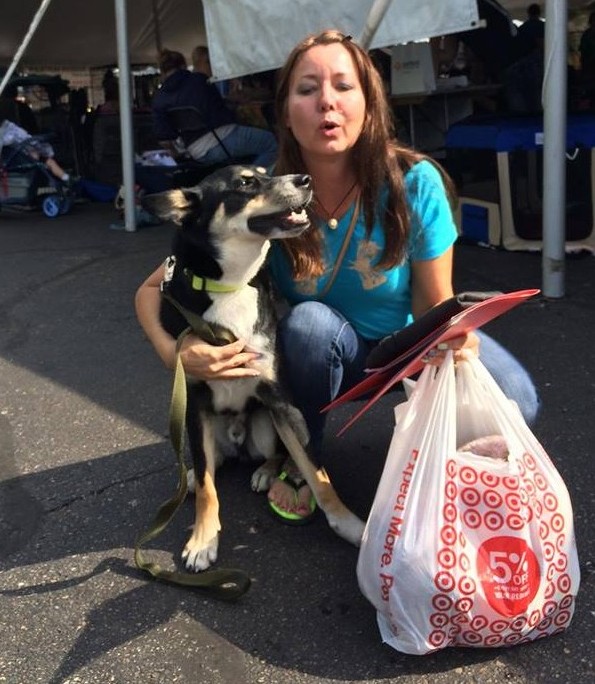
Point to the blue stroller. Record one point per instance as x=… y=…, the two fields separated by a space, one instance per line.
x=28 y=183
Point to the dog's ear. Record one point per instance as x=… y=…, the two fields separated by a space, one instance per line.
x=173 y=205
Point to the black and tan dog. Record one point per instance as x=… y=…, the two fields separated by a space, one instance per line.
x=225 y=227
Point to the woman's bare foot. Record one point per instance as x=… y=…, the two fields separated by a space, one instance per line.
x=290 y=497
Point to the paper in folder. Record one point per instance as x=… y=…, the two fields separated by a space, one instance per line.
x=399 y=355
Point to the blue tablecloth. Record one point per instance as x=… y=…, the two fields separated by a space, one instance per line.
x=517 y=133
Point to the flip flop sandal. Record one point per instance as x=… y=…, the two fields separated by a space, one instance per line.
x=289 y=517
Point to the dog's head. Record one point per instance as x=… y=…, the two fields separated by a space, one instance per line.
x=238 y=200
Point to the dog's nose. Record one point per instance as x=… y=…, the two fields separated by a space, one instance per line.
x=304 y=181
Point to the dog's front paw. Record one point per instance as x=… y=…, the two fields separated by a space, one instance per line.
x=263 y=476
x=200 y=556
x=350 y=527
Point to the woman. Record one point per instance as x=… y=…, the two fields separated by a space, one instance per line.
x=384 y=205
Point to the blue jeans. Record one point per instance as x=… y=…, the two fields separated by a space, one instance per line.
x=323 y=356
x=245 y=141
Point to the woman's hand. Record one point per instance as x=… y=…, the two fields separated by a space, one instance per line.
x=204 y=361
x=200 y=359
x=463 y=347
x=431 y=284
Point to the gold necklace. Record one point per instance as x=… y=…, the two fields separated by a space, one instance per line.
x=331 y=219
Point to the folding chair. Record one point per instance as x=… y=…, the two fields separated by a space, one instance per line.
x=190 y=125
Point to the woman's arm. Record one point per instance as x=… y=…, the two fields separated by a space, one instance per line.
x=200 y=360
x=431 y=284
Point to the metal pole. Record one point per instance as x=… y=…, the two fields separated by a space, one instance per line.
x=23 y=46
x=554 y=148
x=157 y=25
x=125 y=116
x=375 y=16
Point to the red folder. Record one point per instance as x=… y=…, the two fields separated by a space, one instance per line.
x=399 y=356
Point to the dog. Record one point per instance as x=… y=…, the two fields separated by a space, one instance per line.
x=214 y=283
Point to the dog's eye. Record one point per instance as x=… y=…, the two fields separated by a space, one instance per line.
x=247 y=181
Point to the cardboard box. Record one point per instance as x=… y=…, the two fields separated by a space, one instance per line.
x=412 y=69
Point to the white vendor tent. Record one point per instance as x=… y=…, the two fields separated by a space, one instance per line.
x=73 y=33
x=82 y=33
x=268 y=35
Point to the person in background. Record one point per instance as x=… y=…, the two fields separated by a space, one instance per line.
x=180 y=88
x=111 y=94
x=378 y=254
x=201 y=64
x=17 y=111
x=39 y=150
x=586 y=76
x=587 y=49
x=524 y=77
x=257 y=89
x=532 y=30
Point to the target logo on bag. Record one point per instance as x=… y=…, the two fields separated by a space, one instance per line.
x=509 y=573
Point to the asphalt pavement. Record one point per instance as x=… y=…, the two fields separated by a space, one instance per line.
x=85 y=461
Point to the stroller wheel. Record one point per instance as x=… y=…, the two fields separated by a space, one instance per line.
x=65 y=205
x=51 y=205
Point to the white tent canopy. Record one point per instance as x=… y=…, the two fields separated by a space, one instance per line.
x=77 y=33
x=268 y=35
x=82 y=33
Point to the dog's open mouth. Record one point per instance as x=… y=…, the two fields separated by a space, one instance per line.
x=293 y=222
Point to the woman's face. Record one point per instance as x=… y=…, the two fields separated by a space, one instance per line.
x=325 y=105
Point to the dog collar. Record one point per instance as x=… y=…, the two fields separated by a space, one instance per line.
x=208 y=285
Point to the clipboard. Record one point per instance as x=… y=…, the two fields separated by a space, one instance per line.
x=399 y=356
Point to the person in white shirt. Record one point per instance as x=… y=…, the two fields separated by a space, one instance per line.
x=40 y=150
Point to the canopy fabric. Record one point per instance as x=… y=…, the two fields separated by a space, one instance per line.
x=269 y=30
x=77 y=34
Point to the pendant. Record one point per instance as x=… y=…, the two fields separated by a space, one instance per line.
x=333 y=223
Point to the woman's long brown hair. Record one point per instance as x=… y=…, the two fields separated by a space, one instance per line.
x=377 y=158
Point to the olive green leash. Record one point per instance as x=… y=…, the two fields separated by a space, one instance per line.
x=223 y=583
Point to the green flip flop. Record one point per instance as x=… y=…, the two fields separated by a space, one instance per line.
x=289 y=517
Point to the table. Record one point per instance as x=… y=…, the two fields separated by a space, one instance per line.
x=505 y=135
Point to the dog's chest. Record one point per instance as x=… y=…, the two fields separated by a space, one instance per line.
x=236 y=311
x=239 y=312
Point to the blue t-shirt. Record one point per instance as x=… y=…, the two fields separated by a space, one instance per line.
x=376 y=302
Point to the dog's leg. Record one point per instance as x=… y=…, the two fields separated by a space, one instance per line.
x=201 y=549
x=262 y=443
x=292 y=430
x=345 y=523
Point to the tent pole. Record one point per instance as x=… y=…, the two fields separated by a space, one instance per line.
x=157 y=26
x=23 y=46
x=125 y=116
x=554 y=148
x=375 y=16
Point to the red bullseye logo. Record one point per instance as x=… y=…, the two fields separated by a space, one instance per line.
x=509 y=574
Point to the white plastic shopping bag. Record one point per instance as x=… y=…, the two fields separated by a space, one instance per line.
x=470 y=539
